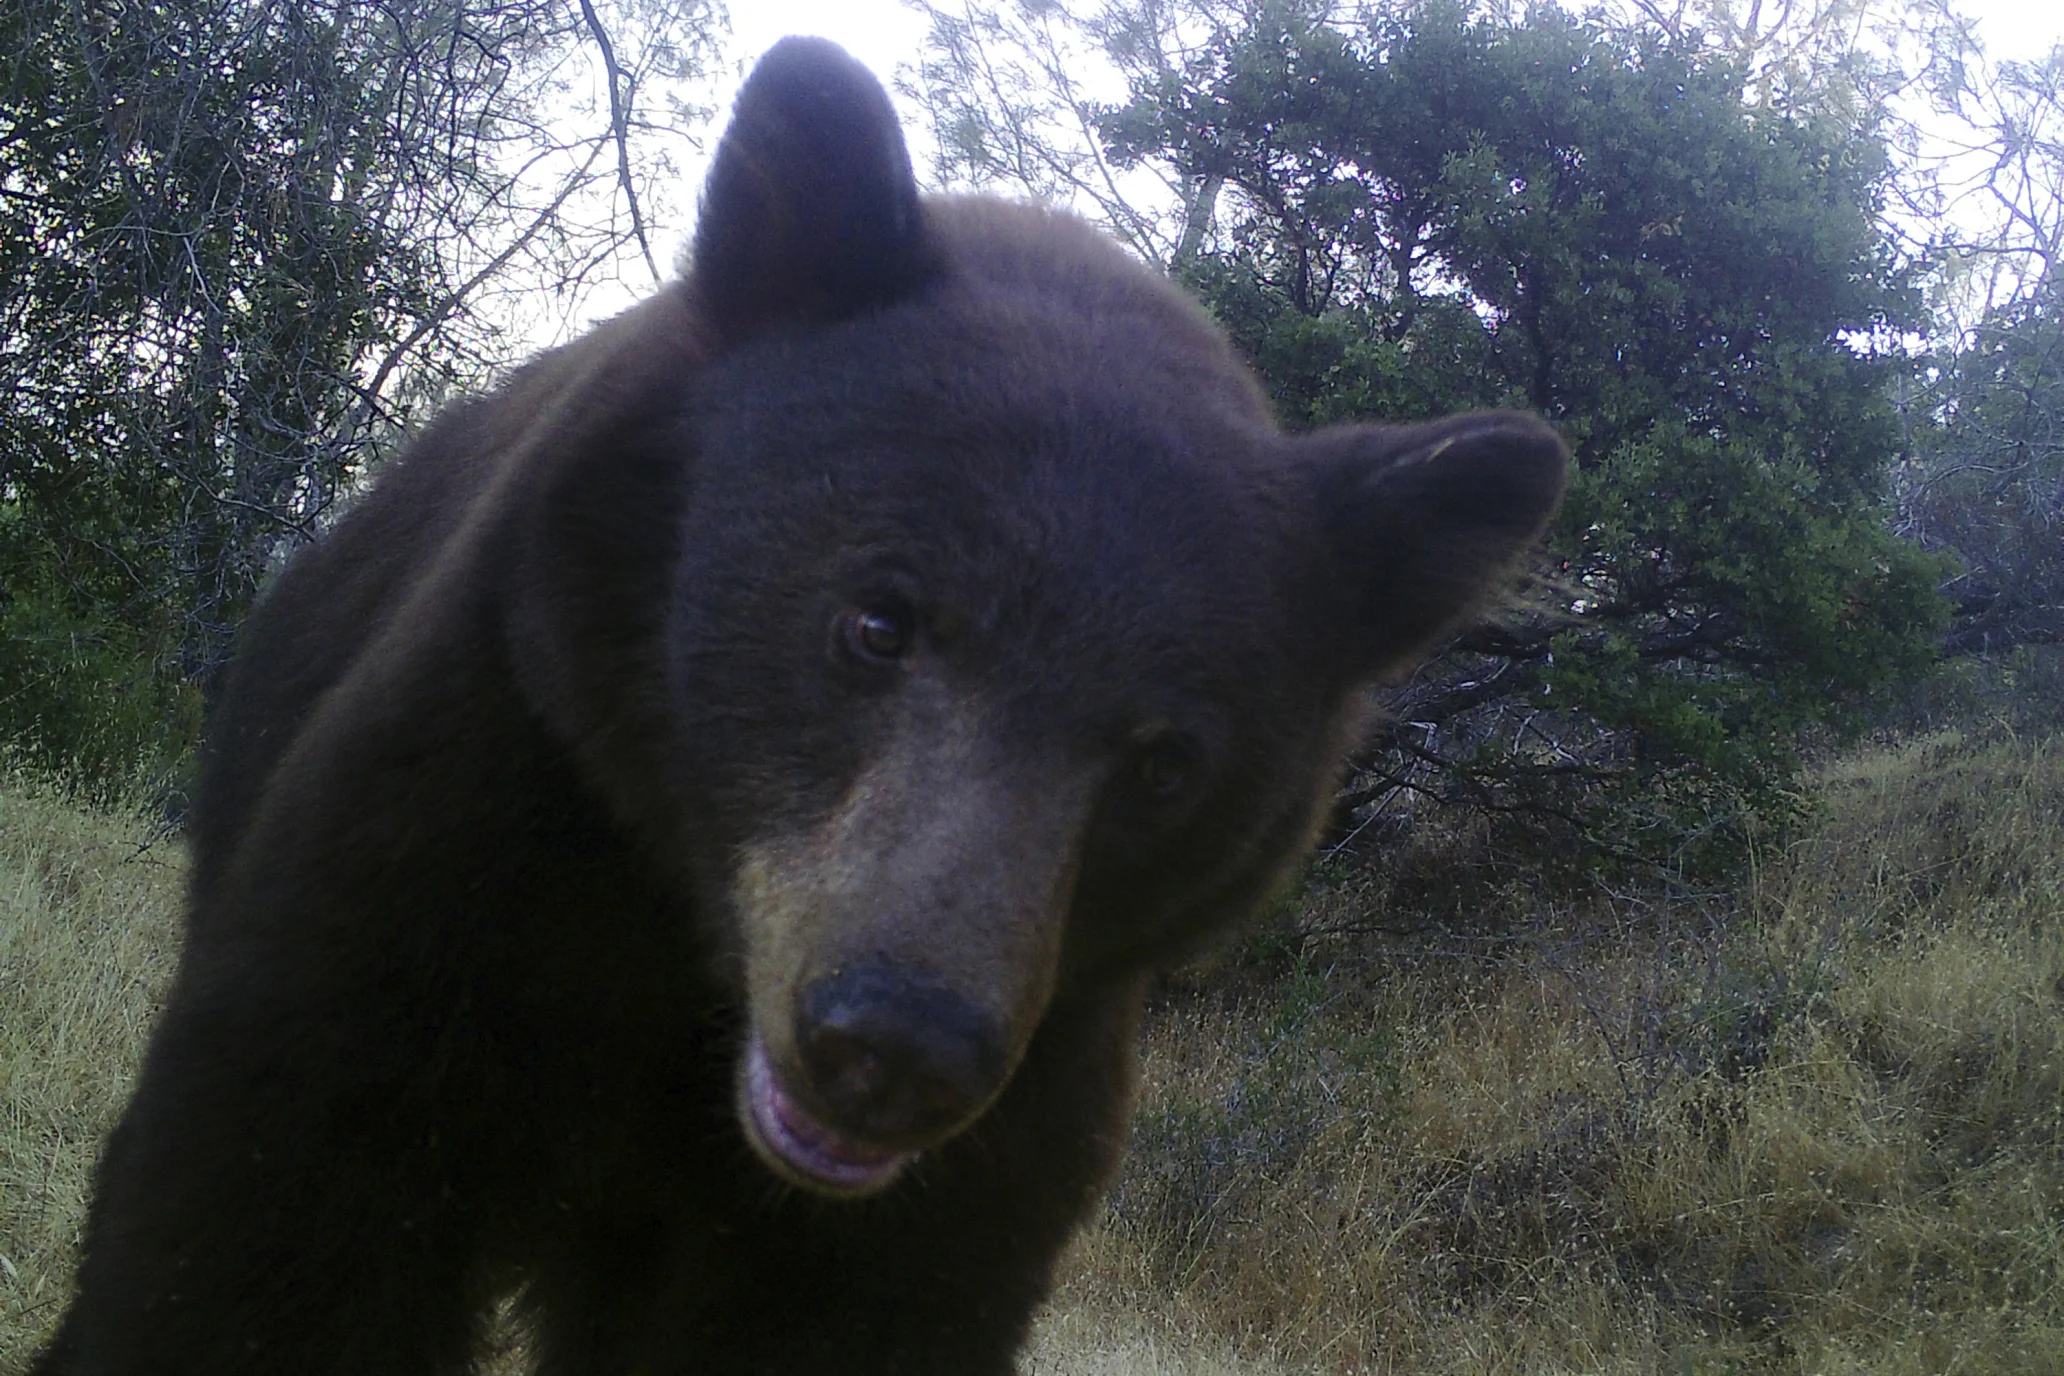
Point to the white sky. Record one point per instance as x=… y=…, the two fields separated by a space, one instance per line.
x=2010 y=28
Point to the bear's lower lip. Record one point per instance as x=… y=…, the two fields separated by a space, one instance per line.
x=810 y=1152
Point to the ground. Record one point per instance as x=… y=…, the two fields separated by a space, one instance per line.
x=1814 y=1124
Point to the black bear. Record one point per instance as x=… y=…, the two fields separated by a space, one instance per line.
x=688 y=848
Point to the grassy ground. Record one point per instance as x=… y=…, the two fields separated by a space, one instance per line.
x=89 y=920
x=1814 y=1126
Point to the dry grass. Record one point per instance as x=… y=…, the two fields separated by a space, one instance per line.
x=89 y=917
x=1813 y=1126
x=1817 y=1126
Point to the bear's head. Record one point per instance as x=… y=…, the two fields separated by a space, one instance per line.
x=1014 y=648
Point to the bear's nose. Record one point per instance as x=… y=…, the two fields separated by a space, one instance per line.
x=893 y=1057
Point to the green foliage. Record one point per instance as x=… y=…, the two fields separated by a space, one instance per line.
x=1989 y=471
x=1442 y=211
x=195 y=288
x=88 y=695
x=238 y=240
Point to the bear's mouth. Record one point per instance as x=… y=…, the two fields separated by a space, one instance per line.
x=802 y=1148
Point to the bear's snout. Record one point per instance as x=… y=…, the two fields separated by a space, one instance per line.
x=893 y=1057
x=901 y=952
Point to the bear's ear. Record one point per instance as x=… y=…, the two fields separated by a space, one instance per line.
x=810 y=213
x=1419 y=522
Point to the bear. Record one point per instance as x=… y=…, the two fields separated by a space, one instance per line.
x=689 y=848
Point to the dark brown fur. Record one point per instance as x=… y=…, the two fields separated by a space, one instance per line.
x=565 y=778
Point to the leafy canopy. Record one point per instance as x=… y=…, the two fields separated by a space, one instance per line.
x=1436 y=211
x=241 y=243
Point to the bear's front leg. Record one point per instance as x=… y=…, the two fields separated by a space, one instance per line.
x=270 y=1204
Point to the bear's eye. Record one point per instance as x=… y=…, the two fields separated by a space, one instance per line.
x=1164 y=767
x=876 y=635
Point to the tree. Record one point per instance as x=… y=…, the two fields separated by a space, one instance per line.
x=1987 y=479
x=1983 y=476
x=1015 y=92
x=1430 y=209
x=1995 y=195
x=241 y=241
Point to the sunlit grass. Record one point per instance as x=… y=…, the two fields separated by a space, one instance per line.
x=88 y=935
